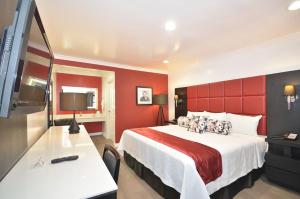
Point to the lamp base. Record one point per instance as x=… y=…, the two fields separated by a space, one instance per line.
x=74 y=128
x=160 y=116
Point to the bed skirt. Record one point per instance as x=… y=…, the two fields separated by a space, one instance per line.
x=167 y=192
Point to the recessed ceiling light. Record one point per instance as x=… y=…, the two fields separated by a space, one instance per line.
x=165 y=61
x=295 y=5
x=170 y=25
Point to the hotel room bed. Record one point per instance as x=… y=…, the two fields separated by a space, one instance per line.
x=240 y=155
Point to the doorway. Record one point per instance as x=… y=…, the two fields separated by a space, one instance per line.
x=109 y=107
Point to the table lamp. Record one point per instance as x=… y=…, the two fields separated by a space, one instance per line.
x=73 y=102
x=160 y=99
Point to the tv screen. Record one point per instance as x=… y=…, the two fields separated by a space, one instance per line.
x=32 y=80
x=26 y=61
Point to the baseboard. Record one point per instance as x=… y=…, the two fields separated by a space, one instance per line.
x=96 y=133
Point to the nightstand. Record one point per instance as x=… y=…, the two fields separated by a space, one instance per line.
x=283 y=162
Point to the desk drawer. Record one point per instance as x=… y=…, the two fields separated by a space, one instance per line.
x=282 y=162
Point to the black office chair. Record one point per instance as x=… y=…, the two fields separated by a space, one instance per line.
x=62 y=122
x=111 y=159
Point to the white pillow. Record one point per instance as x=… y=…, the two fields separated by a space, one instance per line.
x=216 y=116
x=190 y=114
x=244 y=124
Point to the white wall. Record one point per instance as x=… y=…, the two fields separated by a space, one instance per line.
x=278 y=55
x=37 y=124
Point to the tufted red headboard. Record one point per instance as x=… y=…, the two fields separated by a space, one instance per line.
x=241 y=96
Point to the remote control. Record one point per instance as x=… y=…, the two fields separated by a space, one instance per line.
x=68 y=158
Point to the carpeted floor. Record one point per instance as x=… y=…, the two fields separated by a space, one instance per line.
x=130 y=186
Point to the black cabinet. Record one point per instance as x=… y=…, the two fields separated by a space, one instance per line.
x=171 y=122
x=181 y=104
x=283 y=162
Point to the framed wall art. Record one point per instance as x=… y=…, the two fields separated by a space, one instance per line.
x=143 y=95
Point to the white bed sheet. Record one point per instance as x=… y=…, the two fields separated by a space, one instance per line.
x=240 y=155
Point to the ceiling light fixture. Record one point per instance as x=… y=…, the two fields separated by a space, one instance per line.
x=295 y=5
x=165 y=61
x=170 y=25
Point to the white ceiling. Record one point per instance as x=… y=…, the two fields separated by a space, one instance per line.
x=132 y=32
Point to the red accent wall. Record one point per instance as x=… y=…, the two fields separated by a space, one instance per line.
x=63 y=79
x=128 y=114
x=36 y=70
x=38 y=52
x=93 y=127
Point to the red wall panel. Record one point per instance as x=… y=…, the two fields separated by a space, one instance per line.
x=192 y=104
x=254 y=105
x=202 y=104
x=233 y=88
x=262 y=126
x=254 y=86
x=233 y=105
x=216 y=89
x=241 y=96
x=203 y=90
x=128 y=114
x=192 y=91
x=216 y=104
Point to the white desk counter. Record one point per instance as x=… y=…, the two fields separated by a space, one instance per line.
x=35 y=177
x=82 y=117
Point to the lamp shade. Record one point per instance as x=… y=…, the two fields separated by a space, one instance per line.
x=32 y=93
x=289 y=90
x=160 y=99
x=73 y=101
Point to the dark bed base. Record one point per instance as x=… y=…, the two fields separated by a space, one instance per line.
x=154 y=181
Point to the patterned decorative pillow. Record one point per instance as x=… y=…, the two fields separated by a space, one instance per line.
x=227 y=127
x=183 y=121
x=202 y=125
x=211 y=125
x=193 y=125
x=198 y=124
x=219 y=126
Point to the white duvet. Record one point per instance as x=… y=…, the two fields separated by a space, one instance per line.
x=240 y=155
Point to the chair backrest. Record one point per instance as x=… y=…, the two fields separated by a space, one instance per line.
x=111 y=159
x=62 y=122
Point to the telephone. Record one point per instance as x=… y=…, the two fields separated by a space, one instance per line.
x=290 y=136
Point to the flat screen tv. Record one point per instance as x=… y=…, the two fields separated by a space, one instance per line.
x=25 y=62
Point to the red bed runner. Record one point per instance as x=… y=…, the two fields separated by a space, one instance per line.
x=208 y=160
